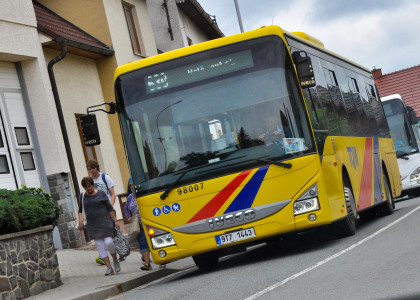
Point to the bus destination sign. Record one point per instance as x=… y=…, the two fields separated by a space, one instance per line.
x=199 y=71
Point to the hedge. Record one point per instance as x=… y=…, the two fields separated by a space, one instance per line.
x=26 y=208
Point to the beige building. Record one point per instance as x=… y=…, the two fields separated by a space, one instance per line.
x=45 y=86
x=124 y=26
x=57 y=58
x=32 y=150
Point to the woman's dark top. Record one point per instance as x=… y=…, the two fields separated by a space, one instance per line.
x=97 y=208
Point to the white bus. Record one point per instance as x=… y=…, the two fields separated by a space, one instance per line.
x=400 y=119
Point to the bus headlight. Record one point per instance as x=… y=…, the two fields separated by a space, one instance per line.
x=415 y=175
x=307 y=202
x=160 y=238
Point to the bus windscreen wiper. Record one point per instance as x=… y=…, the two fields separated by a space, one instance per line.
x=266 y=161
x=404 y=156
x=172 y=186
x=277 y=163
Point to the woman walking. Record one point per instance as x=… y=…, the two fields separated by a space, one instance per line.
x=130 y=210
x=101 y=220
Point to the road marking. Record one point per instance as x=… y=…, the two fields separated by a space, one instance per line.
x=165 y=277
x=322 y=262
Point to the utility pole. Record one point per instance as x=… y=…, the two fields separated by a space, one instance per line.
x=239 y=15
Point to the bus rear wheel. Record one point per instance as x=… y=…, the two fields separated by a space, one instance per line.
x=206 y=260
x=386 y=208
x=347 y=226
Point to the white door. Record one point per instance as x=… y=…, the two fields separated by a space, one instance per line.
x=18 y=147
x=7 y=174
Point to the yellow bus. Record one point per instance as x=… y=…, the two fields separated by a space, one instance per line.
x=241 y=139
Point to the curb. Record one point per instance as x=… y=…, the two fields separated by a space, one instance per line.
x=122 y=287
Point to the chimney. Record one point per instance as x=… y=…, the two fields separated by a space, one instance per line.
x=377 y=73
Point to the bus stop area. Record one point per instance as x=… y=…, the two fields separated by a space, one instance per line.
x=83 y=279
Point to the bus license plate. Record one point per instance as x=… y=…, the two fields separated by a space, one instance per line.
x=235 y=236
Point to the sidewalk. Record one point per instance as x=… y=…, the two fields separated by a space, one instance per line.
x=84 y=279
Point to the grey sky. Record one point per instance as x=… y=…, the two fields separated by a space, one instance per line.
x=381 y=33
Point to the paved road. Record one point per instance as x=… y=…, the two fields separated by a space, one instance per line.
x=382 y=261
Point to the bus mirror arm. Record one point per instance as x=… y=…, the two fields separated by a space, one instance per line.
x=112 y=108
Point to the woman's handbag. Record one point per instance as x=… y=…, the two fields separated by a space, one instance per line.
x=134 y=228
x=122 y=243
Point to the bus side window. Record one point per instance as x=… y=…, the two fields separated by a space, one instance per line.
x=327 y=103
x=378 y=113
x=368 y=106
x=337 y=99
x=354 y=90
x=349 y=104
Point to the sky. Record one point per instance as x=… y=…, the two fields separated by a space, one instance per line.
x=374 y=33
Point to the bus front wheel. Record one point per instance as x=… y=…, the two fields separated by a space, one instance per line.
x=206 y=260
x=386 y=208
x=347 y=226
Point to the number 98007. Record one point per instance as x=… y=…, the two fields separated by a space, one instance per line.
x=190 y=188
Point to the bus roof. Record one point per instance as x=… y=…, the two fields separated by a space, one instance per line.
x=263 y=31
x=391 y=97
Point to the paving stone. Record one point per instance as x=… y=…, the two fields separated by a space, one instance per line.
x=49 y=275
x=31 y=277
x=3 y=268
x=33 y=255
x=14 y=257
x=36 y=288
x=5 y=284
x=24 y=287
x=2 y=255
x=23 y=271
x=13 y=282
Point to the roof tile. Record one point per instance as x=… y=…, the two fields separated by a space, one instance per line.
x=405 y=82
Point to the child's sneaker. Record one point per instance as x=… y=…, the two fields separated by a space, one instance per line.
x=109 y=271
x=100 y=261
x=117 y=266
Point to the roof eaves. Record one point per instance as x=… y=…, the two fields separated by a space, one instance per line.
x=402 y=70
x=196 y=12
x=103 y=50
x=83 y=46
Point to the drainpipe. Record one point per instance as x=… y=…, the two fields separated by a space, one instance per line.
x=63 y=45
x=165 y=5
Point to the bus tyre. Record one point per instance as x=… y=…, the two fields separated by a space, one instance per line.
x=386 y=208
x=206 y=260
x=347 y=226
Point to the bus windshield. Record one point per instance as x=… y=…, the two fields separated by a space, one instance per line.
x=212 y=113
x=402 y=134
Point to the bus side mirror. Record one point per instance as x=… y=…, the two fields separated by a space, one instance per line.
x=412 y=115
x=90 y=130
x=304 y=69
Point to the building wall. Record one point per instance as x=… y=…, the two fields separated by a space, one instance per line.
x=190 y=29
x=17 y=19
x=79 y=86
x=182 y=26
x=160 y=25
x=123 y=54
x=105 y=21
x=20 y=44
